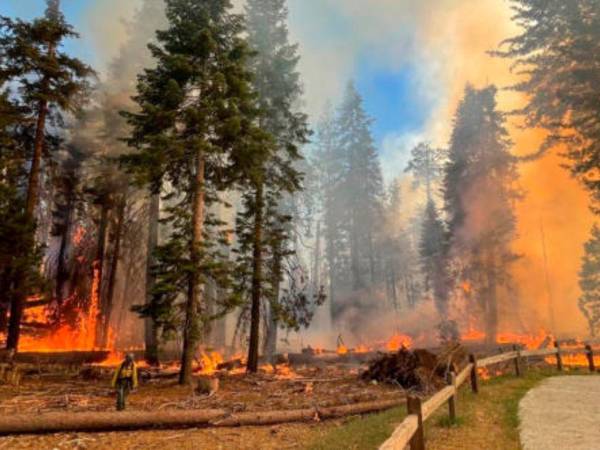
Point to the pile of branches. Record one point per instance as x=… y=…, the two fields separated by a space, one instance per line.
x=419 y=370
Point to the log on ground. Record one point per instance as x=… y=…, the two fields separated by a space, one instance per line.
x=139 y=420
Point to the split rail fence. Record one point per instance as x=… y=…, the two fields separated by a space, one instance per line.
x=411 y=432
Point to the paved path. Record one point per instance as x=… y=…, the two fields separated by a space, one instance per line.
x=562 y=413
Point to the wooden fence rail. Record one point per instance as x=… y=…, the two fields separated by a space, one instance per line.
x=410 y=431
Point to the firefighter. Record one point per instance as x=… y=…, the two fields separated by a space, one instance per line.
x=124 y=380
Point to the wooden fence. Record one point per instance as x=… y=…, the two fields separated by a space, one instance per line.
x=411 y=432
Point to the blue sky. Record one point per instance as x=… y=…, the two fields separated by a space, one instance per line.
x=333 y=50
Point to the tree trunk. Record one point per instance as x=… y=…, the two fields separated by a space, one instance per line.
x=256 y=280
x=57 y=422
x=33 y=192
x=191 y=333
x=62 y=274
x=150 y=328
x=112 y=277
x=99 y=262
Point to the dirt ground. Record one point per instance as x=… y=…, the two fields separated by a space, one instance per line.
x=247 y=438
x=91 y=391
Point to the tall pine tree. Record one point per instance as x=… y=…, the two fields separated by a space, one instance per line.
x=194 y=131
x=50 y=83
x=557 y=54
x=479 y=195
x=277 y=83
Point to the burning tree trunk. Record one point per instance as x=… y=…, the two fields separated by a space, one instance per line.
x=99 y=260
x=257 y=263
x=150 y=328
x=62 y=272
x=191 y=333
x=106 y=310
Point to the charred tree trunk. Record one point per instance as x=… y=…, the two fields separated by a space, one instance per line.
x=191 y=333
x=257 y=276
x=150 y=328
x=112 y=277
x=99 y=260
x=62 y=272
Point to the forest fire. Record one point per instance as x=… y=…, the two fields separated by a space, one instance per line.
x=341 y=349
x=398 y=341
x=70 y=337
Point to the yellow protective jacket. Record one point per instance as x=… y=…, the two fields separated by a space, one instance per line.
x=125 y=372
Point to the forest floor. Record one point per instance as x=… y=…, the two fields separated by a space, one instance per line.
x=281 y=390
x=488 y=420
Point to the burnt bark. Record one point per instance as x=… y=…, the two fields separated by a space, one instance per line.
x=62 y=272
x=98 y=266
x=112 y=276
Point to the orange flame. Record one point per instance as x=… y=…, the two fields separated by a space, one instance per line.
x=399 y=341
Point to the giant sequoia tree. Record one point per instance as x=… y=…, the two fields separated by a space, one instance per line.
x=195 y=130
x=479 y=193
x=50 y=82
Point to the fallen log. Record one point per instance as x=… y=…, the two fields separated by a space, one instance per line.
x=64 y=358
x=104 y=421
x=134 y=420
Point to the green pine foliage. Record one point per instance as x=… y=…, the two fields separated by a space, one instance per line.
x=277 y=84
x=351 y=185
x=479 y=194
x=196 y=133
x=557 y=54
x=433 y=249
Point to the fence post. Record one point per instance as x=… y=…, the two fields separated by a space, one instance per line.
x=517 y=360
x=559 y=364
x=589 y=352
x=474 y=381
x=451 y=380
x=413 y=406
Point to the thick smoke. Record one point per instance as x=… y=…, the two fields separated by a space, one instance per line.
x=447 y=42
